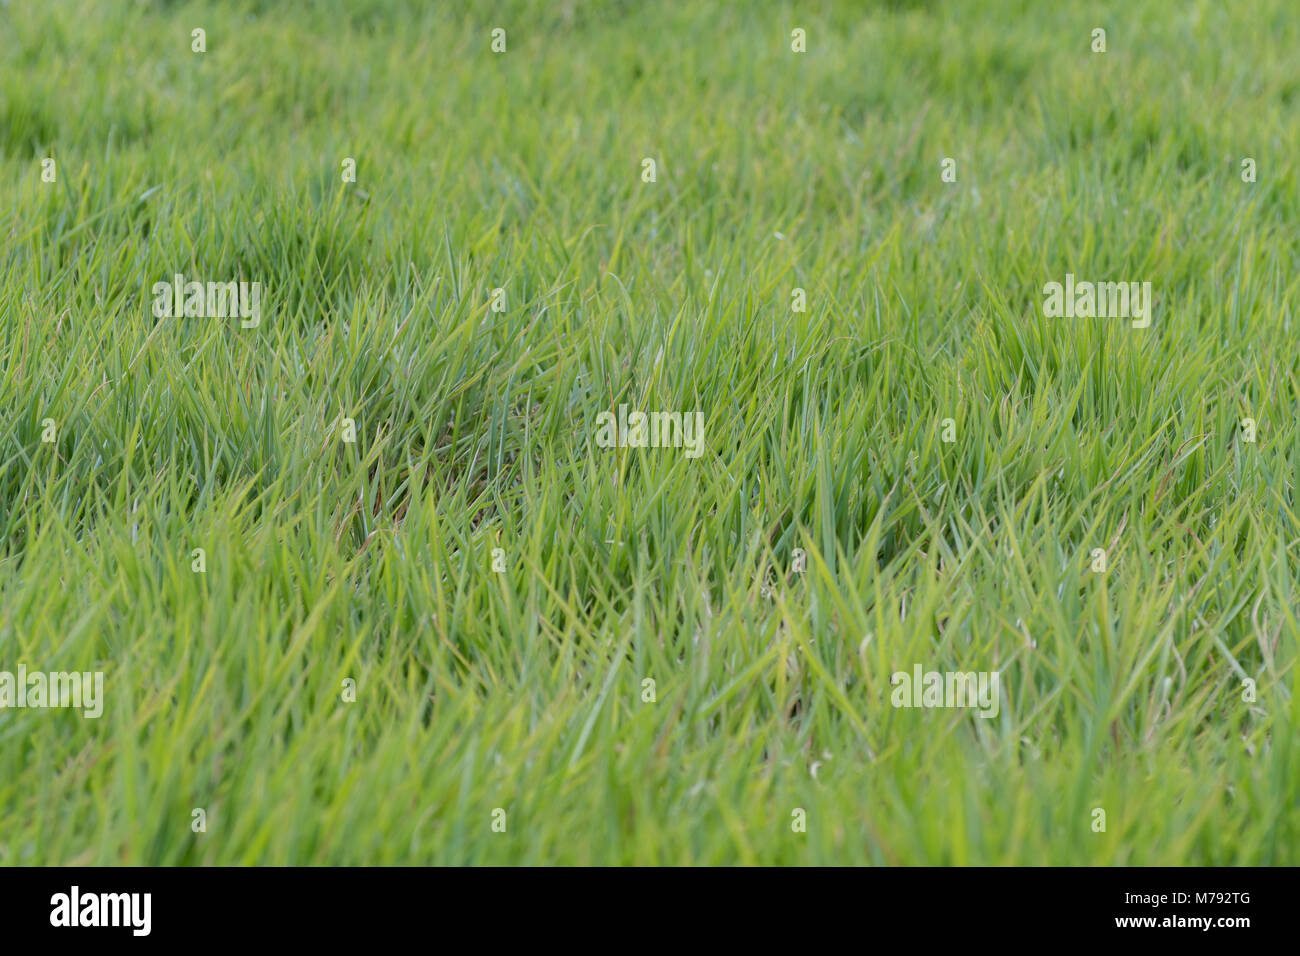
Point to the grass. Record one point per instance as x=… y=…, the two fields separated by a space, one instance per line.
x=371 y=561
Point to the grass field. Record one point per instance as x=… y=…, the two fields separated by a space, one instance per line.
x=334 y=569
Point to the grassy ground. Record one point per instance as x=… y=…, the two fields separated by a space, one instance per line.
x=523 y=691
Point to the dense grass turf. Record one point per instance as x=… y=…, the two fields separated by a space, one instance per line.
x=476 y=430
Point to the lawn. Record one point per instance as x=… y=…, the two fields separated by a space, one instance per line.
x=367 y=578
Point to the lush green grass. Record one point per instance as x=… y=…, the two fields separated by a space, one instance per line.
x=476 y=430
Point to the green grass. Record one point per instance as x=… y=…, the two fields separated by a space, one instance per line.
x=475 y=430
